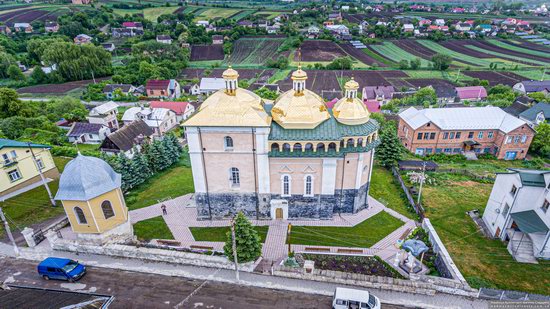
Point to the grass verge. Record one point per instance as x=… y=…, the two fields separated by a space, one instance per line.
x=154 y=228
x=219 y=233
x=386 y=190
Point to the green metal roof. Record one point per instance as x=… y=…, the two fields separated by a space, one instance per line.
x=329 y=130
x=529 y=221
x=17 y=144
x=532 y=179
x=331 y=153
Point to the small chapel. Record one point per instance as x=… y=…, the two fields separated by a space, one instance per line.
x=292 y=158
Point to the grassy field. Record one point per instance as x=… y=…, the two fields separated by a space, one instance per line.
x=378 y=57
x=34 y=205
x=124 y=12
x=220 y=233
x=497 y=54
x=279 y=75
x=242 y=15
x=153 y=13
x=363 y=235
x=221 y=13
x=520 y=49
x=154 y=228
x=268 y=14
x=533 y=74
x=482 y=261
x=173 y=182
x=386 y=190
x=450 y=75
x=443 y=50
x=396 y=54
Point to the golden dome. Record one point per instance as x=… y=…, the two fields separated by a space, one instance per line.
x=230 y=73
x=351 y=84
x=299 y=74
x=350 y=111
x=243 y=109
x=304 y=111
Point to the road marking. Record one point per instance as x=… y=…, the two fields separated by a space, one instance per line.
x=195 y=291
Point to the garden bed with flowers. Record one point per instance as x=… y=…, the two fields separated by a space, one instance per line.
x=366 y=265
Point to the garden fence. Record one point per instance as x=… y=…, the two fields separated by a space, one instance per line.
x=417 y=207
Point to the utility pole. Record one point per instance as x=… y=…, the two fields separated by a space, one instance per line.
x=234 y=240
x=421 y=181
x=42 y=175
x=10 y=236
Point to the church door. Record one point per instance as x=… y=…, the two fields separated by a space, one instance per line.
x=278 y=213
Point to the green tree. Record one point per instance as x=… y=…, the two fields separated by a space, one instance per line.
x=142 y=166
x=539 y=97
x=390 y=149
x=5 y=61
x=14 y=72
x=403 y=64
x=541 y=141
x=441 y=61
x=248 y=243
x=415 y=64
x=38 y=76
x=342 y=63
x=125 y=168
x=10 y=105
x=78 y=62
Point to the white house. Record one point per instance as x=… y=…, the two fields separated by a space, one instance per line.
x=338 y=29
x=87 y=133
x=517 y=212
x=408 y=27
x=439 y=22
x=203 y=23
x=183 y=110
x=105 y=114
x=160 y=120
x=209 y=85
x=192 y=89
x=530 y=86
x=164 y=39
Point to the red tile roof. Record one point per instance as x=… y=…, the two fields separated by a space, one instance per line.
x=176 y=107
x=472 y=92
x=373 y=106
x=156 y=84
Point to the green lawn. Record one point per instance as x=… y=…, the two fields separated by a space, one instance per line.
x=33 y=206
x=482 y=261
x=88 y=147
x=175 y=181
x=363 y=235
x=154 y=228
x=386 y=190
x=396 y=54
x=220 y=233
x=533 y=74
x=153 y=14
x=483 y=167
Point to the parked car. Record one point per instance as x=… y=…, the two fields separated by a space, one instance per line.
x=345 y=298
x=61 y=269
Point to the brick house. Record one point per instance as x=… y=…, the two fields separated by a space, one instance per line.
x=467 y=129
x=166 y=88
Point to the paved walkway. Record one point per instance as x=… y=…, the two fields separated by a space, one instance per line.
x=249 y=279
x=181 y=215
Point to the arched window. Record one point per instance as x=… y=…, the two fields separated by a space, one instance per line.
x=297 y=147
x=274 y=147
x=332 y=146
x=320 y=147
x=309 y=146
x=228 y=143
x=286 y=147
x=286 y=185
x=360 y=142
x=80 y=217
x=234 y=177
x=308 y=186
x=107 y=209
x=350 y=142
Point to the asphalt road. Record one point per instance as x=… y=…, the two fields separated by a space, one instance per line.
x=140 y=290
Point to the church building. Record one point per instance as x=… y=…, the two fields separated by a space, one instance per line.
x=290 y=159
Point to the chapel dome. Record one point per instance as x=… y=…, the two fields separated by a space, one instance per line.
x=85 y=178
x=351 y=110
x=230 y=73
x=299 y=108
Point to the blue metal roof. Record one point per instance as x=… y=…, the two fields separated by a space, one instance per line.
x=17 y=144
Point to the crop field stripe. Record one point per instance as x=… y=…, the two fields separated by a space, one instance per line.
x=506 y=57
x=520 y=49
x=391 y=51
x=374 y=54
x=458 y=56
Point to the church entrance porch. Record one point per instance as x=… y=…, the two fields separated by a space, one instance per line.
x=279 y=209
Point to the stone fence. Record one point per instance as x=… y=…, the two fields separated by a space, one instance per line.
x=426 y=285
x=444 y=263
x=148 y=254
x=417 y=207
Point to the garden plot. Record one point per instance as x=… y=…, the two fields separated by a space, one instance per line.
x=255 y=51
x=443 y=88
x=527 y=45
x=207 y=52
x=396 y=54
x=507 y=48
x=216 y=13
x=495 y=78
x=461 y=53
x=248 y=74
x=373 y=78
x=320 y=50
x=506 y=54
x=360 y=55
x=318 y=81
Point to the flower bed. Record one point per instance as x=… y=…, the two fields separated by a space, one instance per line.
x=366 y=265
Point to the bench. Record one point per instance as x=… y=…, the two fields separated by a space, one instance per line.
x=202 y=247
x=169 y=242
x=317 y=249
x=351 y=251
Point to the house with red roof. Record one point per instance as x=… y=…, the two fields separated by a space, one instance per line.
x=424 y=22
x=373 y=106
x=472 y=93
x=134 y=25
x=163 y=88
x=458 y=10
x=183 y=110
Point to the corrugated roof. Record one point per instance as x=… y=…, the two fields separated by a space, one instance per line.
x=462 y=118
x=158 y=84
x=529 y=222
x=17 y=144
x=85 y=178
x=103 y=108
x=129 y=135
x=531 y=113
x=79 y=128
x=176 y=107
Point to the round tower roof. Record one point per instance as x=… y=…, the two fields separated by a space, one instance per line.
x=299 y=74
x=230 y=73
x=351 y=84
x=351 y=111
x=85 y=178
x=304 y=111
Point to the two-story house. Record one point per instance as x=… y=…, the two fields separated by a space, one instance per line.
x=19 y=170
x=536 y=114
x=183 y=110
x=127 y=140
x=517 y=212
x=105 y=114
x=166 y=88
x=160 y=120
x=465 y=130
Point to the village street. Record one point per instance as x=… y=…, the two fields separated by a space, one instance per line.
x=142 y=290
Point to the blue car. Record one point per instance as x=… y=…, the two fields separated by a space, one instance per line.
x=61 y=269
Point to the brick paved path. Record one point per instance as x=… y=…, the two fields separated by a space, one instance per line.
x=181 y=214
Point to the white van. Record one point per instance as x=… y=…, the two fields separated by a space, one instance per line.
x=354 y=299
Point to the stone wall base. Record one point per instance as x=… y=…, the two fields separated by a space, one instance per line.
x=120 y=234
